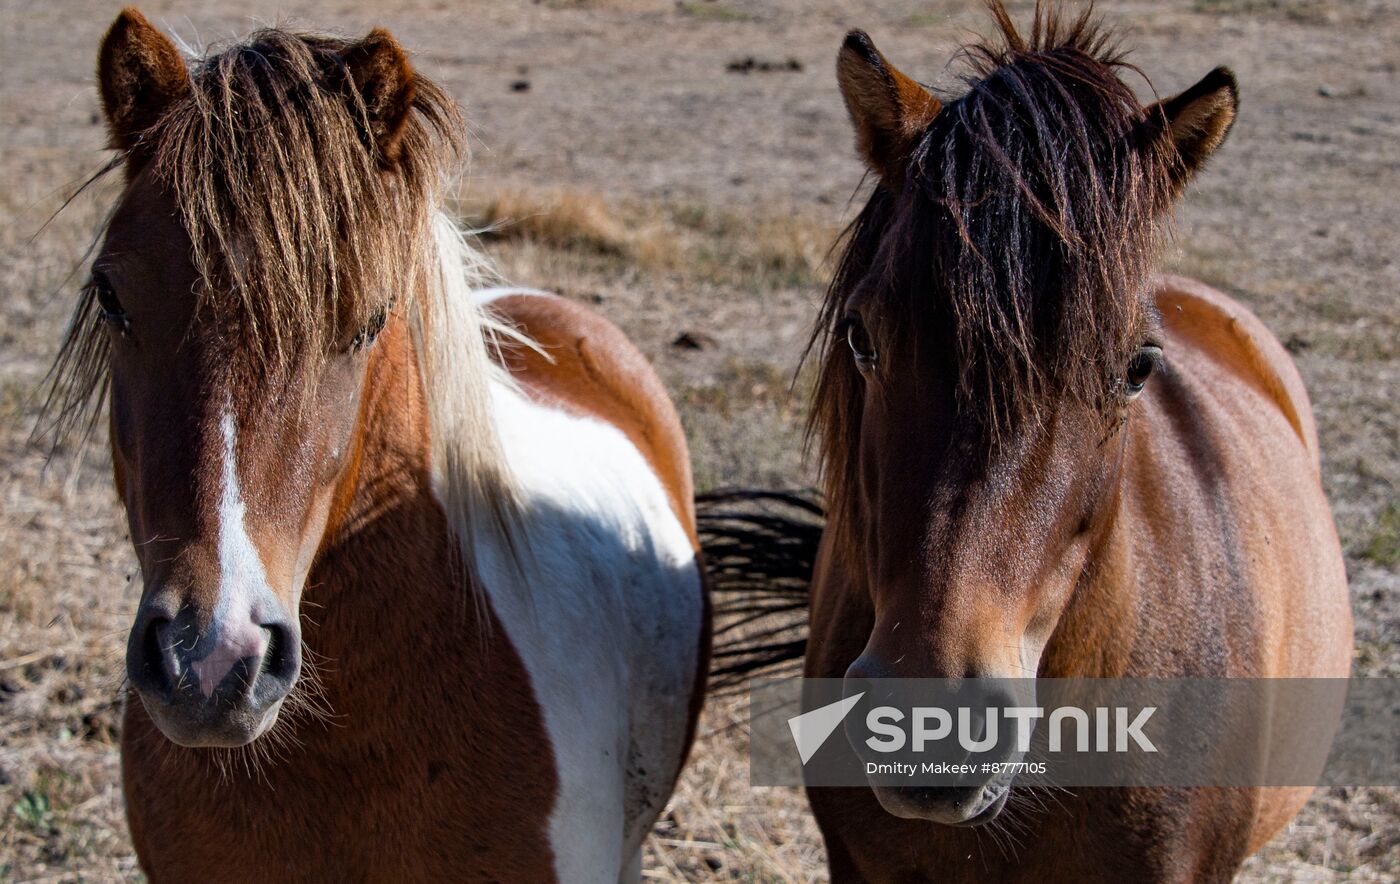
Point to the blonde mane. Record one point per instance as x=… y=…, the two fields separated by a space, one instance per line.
x=456 y=339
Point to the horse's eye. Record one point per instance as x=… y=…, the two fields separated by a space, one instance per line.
x=367 y=335
x=1140 y=368
x=858 y=338
x=109 y=307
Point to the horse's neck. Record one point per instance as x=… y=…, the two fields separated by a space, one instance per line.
x=1096 y=633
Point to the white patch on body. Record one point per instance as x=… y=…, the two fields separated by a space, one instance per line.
x=606 y=608
x=607 y=620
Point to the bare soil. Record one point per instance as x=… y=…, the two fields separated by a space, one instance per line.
x=686 y=166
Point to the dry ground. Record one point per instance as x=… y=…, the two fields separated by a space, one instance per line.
x=682 y=197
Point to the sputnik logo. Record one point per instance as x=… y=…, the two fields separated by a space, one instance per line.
x=811 y=729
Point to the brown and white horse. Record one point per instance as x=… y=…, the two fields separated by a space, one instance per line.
x=1010 y=494
x=422 y=593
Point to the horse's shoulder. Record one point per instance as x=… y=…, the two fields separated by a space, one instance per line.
x=586 y=365
x=577 y=344
x=1229 y=334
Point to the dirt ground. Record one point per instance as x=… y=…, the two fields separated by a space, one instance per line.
x=685 y=166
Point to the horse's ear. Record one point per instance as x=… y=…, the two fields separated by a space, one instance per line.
x=140 y=73
x=1197 y=122
x=888 y=109
x=380 y=72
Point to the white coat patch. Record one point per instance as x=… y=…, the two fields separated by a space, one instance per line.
x=607 y=621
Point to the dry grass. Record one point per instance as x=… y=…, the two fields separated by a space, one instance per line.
x=718 y=828
x=696 y=243
x=63 y=611
x=1384 y=545
x=713 y=11
x=773 y=248
x=559 y=218
x=1310 y=12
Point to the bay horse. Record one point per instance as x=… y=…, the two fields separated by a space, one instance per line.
x=1042 y=460
x=422 y=591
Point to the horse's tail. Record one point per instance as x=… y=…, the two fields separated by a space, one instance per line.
x=759 y=548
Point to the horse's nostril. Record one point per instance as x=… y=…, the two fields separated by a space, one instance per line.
x=282 y=657
x=156 y=659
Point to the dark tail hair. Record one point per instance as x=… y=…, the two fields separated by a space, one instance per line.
x=760 y=548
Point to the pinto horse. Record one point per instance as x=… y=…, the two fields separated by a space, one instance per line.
x=1040 y=459
x=422 y=591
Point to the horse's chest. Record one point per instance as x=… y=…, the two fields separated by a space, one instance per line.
x=384 y=806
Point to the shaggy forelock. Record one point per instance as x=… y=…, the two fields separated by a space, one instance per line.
x=297 y=231
x=270 y=161
x=1023 y=237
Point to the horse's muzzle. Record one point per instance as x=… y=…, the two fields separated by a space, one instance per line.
x=976 y=703
x=948 y=805
x=220 y=686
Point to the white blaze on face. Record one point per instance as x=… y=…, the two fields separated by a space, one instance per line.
x=242 y=577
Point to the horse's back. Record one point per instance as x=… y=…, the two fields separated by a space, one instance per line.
x=612 y=619
x=1235 y=337
x=1244 y=431
x=1231 y=412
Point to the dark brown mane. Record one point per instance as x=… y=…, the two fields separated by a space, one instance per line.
x=272 y=165
x=1020 y=240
